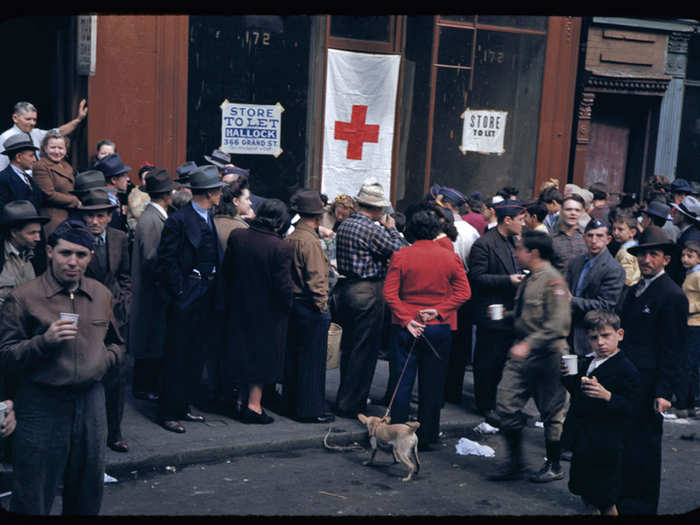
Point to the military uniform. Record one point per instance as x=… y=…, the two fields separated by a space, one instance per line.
x=542 y=318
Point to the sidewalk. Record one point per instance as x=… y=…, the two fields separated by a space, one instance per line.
x=151 y=446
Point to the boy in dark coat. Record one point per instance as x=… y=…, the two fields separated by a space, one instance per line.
x=604 y=396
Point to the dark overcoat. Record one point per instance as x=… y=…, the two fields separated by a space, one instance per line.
x=148 y=307
x=13 y=189
x=594 y=428
x=601 y=290
x=259 y=294
x=655 y=325
x=117 y=276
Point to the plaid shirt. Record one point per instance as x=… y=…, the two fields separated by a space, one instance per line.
x=363 y=248
x=566 y=247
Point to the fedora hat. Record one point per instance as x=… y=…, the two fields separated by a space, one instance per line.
x=158 y=180
x=657 y=209
x=218 y=158
x=306 y=202
x=372 y=194
x=652 y=237
x=690 y=207
x=205 y=178
x=111 y=166
x=96 y=199
x=87 y=180
x=18 y=142
x=20 y=211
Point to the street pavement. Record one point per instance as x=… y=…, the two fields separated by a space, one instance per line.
x=156 y=453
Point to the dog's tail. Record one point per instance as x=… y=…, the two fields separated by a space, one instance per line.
x=337 y=447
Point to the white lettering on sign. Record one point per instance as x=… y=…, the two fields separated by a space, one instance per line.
x=483 y=131
x=251 y=129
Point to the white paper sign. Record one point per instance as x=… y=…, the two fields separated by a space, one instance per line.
x=251 y=129
x=483 y=131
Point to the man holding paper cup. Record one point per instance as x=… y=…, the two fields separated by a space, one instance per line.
x=59 y=362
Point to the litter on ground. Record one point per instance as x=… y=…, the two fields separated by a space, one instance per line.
x=485 y=428
x=109 y=479
x=467 y=447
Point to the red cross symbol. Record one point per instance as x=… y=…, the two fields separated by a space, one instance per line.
x=356 y=132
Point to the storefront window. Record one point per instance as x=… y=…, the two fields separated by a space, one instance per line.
x=507 y=77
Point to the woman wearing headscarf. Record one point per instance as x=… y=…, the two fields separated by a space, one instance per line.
x=259 y=294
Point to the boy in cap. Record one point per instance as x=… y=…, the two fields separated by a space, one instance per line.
x=688 y=393
x=686 y=216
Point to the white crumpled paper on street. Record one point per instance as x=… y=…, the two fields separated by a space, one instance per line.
x=485 y=428
x=109 y=479
x=467 y=447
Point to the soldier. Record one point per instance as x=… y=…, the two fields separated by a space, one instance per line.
x=542 y=318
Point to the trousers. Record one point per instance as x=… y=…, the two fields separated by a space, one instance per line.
x=115 y=390
x=190 y=335
x=539 y=377
x=360 y=311
x=432 y=371
x=61 y=437
x=688 y=393
x=304 y=388
x=490 y=355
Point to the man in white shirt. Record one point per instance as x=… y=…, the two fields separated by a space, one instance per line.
x=452 y=199
x=24 y=118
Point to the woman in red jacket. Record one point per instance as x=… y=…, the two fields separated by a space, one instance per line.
x=424 y=287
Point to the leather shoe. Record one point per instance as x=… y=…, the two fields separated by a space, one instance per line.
x=193 y=417
x=119 y=446
x=173 y=426
x=325 y=418
x=252 y=417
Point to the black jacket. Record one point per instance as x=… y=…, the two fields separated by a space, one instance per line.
x=491 y=263
x=655 y=325
x=178 y=254
x=13 y=189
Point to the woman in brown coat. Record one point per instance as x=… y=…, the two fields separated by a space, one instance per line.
x=55 y=178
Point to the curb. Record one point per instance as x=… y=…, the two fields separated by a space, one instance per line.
x=215 y=454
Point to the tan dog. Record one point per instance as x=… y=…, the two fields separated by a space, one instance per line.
x=402 y=438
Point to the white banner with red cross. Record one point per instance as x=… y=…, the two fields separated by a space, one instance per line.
x=359 y=121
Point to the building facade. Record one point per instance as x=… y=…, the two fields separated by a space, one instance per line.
x=482 y=102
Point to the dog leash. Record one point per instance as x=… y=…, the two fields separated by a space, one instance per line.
x=398 y=383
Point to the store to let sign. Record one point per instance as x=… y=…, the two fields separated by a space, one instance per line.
x=483 y=131
x=251 y=129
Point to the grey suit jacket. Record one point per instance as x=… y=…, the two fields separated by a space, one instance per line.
x=600 y=290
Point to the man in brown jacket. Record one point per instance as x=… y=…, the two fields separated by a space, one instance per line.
x=307 y=334
x=59 y=363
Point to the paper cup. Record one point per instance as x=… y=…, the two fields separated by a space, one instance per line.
x=571 y=363
x=3 y=409
x=496 y=312
x=73 y=317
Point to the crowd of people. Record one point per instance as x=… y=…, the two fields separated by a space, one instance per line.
x=192 y=291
